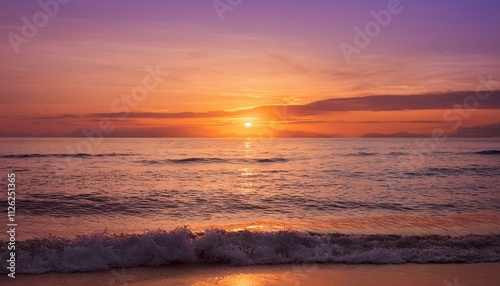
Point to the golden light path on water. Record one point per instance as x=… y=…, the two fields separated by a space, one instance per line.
x=455 y=225
x=312 y=185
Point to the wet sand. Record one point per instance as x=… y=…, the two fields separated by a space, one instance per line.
x=305 y=274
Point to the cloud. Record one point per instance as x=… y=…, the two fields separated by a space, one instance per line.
x=434 y=101
x=430 y=101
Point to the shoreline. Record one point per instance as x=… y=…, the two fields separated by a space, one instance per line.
x=290 y=274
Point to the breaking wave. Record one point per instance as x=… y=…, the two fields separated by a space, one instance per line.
x=101 y=252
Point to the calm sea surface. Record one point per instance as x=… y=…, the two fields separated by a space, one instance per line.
x=319 y=186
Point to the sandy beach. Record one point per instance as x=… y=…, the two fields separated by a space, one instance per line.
x=483 y=274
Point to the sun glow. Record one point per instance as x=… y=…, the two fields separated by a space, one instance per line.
x=248 y=124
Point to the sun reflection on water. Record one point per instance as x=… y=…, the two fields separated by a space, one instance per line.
x=248 y=149
x=239 y=280
x=246 y=185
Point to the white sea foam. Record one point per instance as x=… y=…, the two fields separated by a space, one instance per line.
x=102 y=252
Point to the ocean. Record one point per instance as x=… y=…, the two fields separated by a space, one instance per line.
x=137 y=202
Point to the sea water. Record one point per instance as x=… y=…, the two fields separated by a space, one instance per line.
x=91 y=205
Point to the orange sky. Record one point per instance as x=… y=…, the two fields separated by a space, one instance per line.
x=82 y=66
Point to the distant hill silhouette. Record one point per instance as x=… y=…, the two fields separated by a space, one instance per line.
x=395 y=135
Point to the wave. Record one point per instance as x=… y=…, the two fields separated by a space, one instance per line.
x=488 y=152
x=196 y=160
x=101 y=252
x=397 y=153
x=172 y=202
x=456 y=171
x=74 y=155
x=213 y=160
x=393 y=153
x=271 y=160
x=362 y=154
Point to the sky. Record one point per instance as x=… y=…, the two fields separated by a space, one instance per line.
x=291 y=68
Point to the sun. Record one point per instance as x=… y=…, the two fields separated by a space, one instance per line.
x=248 y=124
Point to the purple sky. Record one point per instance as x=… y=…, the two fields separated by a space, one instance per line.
x=263 y=53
